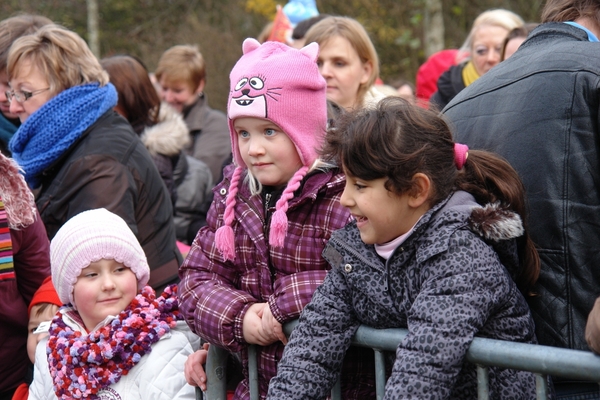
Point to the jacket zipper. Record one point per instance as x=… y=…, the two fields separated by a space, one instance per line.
x=267 y=232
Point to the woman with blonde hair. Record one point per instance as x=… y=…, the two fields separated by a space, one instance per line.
x=347 y=60
x=482 y=47
x=77 y=152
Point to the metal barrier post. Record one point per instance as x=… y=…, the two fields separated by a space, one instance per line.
x=336 y=391
x=541 y=386
x=380 y=378
x=253 y=372
x=483 y=383
x=216 y=374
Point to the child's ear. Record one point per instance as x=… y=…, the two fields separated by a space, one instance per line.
x=419 y=194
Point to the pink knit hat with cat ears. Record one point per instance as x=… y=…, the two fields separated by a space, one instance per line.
x=283 y=85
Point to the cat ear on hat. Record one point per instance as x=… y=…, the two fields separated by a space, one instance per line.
x=250 y=44
x=311 y=50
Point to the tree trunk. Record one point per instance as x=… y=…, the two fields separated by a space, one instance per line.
x=433 y=27
x=92 y=25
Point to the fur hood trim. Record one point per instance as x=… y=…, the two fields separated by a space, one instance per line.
x=495 y=222
x=18 y=200
x=169 y=136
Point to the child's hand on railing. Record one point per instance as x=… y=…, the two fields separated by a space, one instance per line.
x=592 y=329
x=193 y=370
x=255 y=332
x=271 y=325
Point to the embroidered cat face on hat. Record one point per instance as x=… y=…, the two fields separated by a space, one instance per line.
x=252 y=99
x=283 y=85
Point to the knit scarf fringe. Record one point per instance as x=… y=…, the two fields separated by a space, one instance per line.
x=81 y=365
x=57 y=124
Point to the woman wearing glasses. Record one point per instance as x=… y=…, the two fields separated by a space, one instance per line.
x=482 y=49
x=77 y=153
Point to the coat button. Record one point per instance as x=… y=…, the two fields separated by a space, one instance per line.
x=223 y=191
x=348 y=268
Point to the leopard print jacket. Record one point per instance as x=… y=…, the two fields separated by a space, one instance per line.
x=447 y=283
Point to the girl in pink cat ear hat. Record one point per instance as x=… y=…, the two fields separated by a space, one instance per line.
x=257 y=262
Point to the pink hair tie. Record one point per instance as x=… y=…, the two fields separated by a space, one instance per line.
x=461 y=152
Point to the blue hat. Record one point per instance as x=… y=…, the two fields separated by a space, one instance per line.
x=299 y=10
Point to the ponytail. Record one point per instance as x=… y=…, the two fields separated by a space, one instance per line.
x=491 y=179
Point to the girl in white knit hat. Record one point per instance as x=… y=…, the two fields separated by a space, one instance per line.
x=114 y=338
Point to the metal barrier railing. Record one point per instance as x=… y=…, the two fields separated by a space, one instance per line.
x=541 y=360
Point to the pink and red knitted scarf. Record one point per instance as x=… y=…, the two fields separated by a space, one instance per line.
x=81 y=365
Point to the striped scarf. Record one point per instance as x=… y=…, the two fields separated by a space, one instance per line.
x=6 y=253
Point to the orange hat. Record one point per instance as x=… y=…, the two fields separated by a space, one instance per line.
x=45 y=294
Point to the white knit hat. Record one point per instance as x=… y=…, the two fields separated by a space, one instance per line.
x=89 y=237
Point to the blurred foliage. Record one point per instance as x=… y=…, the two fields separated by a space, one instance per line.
x=146 y=28
x=265 y=8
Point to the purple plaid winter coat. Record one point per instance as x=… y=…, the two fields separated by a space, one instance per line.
x=216 y=294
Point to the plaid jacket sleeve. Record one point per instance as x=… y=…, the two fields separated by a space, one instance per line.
x=209 y=300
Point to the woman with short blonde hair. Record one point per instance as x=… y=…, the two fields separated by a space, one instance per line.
x=480 y=52
x=79 y=153
x=61 y=55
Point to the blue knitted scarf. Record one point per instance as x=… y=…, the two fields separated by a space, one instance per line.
x=57 y=124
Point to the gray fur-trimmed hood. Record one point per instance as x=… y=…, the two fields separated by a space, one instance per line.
x=169 y=136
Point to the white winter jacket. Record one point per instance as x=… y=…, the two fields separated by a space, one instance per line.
x=158 y=376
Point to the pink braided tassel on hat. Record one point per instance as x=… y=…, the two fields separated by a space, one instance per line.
x=224 y=238
x=279 y=221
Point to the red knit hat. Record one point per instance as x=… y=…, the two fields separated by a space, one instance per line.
x=45 y=294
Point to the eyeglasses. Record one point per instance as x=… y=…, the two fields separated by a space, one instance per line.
x=22 y=96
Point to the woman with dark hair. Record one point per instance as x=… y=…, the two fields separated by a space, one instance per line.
x=165 y=134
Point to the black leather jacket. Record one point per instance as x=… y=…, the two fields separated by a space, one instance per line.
x=539 y=109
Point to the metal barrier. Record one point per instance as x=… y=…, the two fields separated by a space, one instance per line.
x=541 y=360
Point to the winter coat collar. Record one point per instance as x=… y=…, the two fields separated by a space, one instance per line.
x=309 y=189
x=195 y=114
